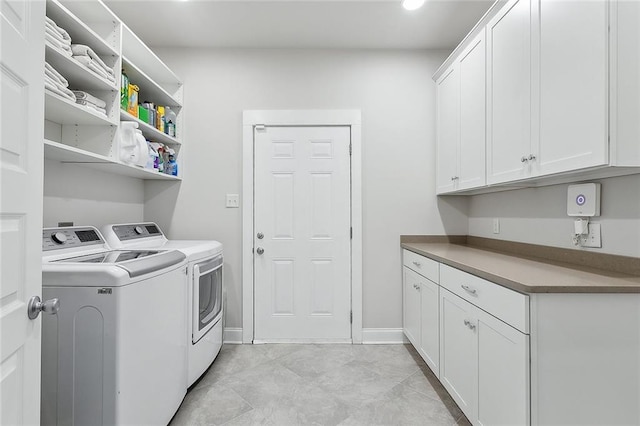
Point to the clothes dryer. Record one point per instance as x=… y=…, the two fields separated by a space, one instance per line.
x=205 y=313
x=115 y=353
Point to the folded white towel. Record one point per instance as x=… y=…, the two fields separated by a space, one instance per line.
x=64 y=49
x=53 y=74
x=89 y=63
x=61 y=32
x=83 y=50
x=84 y=97
x=55 y=34
x=52 y=87
x=93 y=107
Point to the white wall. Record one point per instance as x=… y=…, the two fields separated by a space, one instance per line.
x=539 y=216
x=395 y=92
x=84 y=196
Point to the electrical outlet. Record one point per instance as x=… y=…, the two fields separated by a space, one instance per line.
x=233 y=201
x=593 y=238
x=496 y=225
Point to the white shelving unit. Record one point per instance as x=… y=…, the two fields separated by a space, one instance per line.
x=149 y=132
x=75 y=134
x=68 y=154
x=65 y=112
x=76 y=73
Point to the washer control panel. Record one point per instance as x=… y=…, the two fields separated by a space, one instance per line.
x=60 y=238
x=136 y=231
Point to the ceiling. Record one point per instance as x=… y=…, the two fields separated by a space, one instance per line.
x=334 y=24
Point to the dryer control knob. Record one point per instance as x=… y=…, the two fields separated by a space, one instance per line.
x=138 y=230
x=59 y=237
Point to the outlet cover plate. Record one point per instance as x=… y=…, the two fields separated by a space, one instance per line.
x=593 y=239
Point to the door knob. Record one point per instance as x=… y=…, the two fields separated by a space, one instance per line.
x=35 y=306
x=260 y=235
x=260 y=250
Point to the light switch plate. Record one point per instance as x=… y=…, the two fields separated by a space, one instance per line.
x=233 y=201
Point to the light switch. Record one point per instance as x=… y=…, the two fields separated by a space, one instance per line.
x=496 y=225
x=233 y=201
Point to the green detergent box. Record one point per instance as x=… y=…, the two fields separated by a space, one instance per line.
x=143 y=113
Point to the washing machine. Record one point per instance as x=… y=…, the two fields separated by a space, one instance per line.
x=205 y=290
x=115 y=353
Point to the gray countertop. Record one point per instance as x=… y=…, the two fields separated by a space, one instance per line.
x=526 y=275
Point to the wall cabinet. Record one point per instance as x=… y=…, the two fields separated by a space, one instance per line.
x=558 y=106
x=509 y=87
x=571 y=131
x=460 y=122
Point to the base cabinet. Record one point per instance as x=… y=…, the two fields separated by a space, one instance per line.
x=429 y=347
x=503 y=373
x=484 y=364
x=411 y=309
x=421 y=312
x=458 y=351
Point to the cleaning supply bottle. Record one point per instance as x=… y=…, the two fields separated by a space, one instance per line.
x=172 y=166
x=170 y=117
x=124 y=91
x=160 y=118
x=133 y=100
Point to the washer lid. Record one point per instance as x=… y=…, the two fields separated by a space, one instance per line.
x=135 y=262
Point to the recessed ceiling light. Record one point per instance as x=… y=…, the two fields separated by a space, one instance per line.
x=412 y=4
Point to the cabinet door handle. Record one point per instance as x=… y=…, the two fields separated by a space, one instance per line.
x=524 y=159
x=466 y=322
x=472 y=326
x=418 y=264
x=531 y=157
x=469 y=289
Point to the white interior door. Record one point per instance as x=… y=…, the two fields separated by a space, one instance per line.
x=302 y=223
x=21 y=170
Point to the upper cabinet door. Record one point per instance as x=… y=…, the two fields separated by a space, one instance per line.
x=572 y=38
x=509 y=84
x=448 y=128
x=472 y=148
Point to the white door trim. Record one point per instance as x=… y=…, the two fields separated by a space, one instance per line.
x=351 y=118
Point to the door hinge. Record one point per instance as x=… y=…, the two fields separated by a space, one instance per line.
x=351 y=233
x=260 y=127
x=349 y=148
x=350 y=317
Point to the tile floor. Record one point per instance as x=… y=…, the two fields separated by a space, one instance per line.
x=282 y=384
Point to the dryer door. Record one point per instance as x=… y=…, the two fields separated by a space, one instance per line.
x=207 y=296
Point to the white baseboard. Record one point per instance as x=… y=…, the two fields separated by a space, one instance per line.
x=233 y=336
x=383 y=336
x=370 y=336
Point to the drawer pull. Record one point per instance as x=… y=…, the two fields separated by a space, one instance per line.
x=469 y=289
x=470 y=325
x=418 y=264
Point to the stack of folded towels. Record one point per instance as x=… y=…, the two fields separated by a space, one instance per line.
x=87 y=57
x=56 y=83
x=90 y=101
x=57 y=37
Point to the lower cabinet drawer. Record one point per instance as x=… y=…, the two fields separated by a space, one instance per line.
x=424 y=266
x=507 y=305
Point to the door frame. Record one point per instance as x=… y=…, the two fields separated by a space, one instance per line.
x=252 y=118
